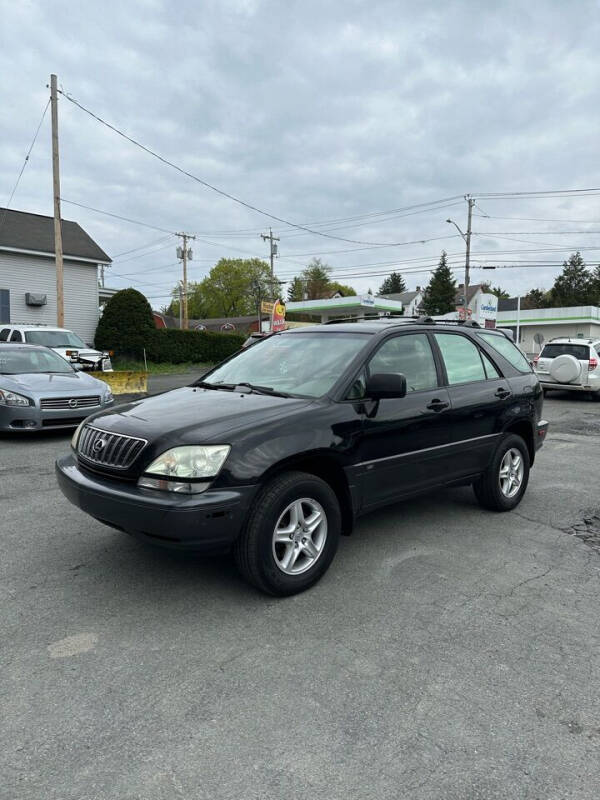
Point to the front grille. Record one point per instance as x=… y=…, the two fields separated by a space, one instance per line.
x=113 y=450
x=66 y=403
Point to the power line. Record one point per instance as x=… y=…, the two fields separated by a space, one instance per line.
x=141 y=247
x=543 y=194
x=118 y=216
x=546 y=219
x=215 y=188
x=25 y=162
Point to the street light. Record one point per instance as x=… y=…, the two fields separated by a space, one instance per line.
x=466 y=237
x=451 y=221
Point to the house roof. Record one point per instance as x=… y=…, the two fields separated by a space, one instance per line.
x=473 y=289
x=20 y=230
x=404 y=297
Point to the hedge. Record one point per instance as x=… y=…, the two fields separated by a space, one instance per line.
x=174 y=346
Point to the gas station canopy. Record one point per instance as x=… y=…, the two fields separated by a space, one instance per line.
x=352 y=306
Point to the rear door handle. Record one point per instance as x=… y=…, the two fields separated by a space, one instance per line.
x=501 y=393
x=437 y=405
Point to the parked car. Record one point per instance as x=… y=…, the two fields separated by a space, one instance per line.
x=40 y=390
x=276 y=451
x=64 y=342
x=570 y=364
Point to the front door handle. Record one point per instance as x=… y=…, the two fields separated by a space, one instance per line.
x=437 y=405
x=501 y=393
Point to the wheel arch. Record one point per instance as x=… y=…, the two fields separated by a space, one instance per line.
x=326 y=467
x=524 y=429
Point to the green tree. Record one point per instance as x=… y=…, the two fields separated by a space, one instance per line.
x=231 y=289
x=497 y=291
x=295 y=290
x=573 y=287
x=440 y=296
x=595 y=287
x=126 y=324
x=393 y=284
x=535 y=298
x=342 y=288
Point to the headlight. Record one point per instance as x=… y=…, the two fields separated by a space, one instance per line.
x=13 y=399
x=185 y=469
x=75 y=437
x=108 y=398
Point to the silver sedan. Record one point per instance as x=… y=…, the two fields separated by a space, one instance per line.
x=40 y=390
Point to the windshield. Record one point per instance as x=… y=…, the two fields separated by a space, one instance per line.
x=300 y=364
x=24 y=361
x=54 y=338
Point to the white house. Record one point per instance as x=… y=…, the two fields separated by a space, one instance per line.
x=411 y=301
x=28 y=273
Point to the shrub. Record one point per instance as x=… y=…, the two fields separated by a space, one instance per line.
x=177 y=346
x=126 y=324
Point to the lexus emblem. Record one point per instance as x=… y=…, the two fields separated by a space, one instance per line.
x=73 y=403
x=98 y=445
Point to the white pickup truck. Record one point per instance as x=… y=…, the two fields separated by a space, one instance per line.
x=64 y=342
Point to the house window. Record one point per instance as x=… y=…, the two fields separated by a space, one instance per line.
x=4 y=305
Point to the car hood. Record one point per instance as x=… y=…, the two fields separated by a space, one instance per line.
x=72 y=383
x=84 y=352
x=194 y=414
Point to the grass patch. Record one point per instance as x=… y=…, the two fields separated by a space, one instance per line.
x=158 y=369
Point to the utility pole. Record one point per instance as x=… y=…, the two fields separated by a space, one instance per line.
x=58 y=248
x=471 y=202
x=184 y=253
x=273 y=247
x=179 y=286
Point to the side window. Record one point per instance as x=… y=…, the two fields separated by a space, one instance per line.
x=357 y=390
x=4 y=334
x=507 y=349
x=461 y=357
x=410 y=355
x=16 y=336
x=4 y=305
x=490 y=369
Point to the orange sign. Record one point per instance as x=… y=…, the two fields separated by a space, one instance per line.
x=278 y=316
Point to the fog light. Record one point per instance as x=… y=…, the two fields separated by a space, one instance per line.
x=29 y=423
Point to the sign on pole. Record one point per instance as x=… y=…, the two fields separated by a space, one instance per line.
x=278 y=316
x=266 y=307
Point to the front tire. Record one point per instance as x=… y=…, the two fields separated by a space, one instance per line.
x=503 y=484
x=291 y=535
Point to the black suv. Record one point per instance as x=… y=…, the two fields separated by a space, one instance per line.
x=277 y=450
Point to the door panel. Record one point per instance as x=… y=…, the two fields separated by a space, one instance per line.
x=402 y=448
x=478 y=402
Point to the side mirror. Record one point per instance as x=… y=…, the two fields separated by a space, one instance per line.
x=386 y=385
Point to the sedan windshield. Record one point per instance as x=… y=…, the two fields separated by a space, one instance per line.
x=299 y=364
x=54 y=338
x=25 y=361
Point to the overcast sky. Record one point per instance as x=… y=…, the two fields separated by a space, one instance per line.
x=312 y=111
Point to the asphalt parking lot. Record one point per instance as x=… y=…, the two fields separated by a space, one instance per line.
x=448 y=653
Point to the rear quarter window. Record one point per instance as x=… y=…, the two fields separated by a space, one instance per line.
x=507 y=349
x=579 y=351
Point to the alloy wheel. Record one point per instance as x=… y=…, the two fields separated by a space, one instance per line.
x=511 y=473
x=299 y=536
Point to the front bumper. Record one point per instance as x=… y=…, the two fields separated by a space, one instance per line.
x=541 y=433
x=28 y=419
x=208 y=522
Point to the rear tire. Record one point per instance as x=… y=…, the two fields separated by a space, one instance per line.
x=291 y=535
x=503 y=484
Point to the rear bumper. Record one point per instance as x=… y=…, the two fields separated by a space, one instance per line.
x=208 y=522
x=593 y=386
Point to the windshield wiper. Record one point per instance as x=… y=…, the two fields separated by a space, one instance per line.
x=263 y=389
x=205 y=385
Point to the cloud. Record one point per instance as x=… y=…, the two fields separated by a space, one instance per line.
x=311 y=111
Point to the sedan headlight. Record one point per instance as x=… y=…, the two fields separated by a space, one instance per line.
x=185 y=469
x=108 y=397
x=13 y=399
x=75 y=437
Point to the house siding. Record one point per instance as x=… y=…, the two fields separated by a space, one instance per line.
x=26 y=273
